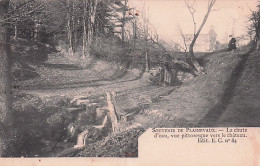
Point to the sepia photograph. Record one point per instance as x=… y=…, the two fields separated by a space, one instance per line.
x=87 y=78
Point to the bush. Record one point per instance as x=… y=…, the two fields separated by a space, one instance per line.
x=57 y=125
x=108 y=48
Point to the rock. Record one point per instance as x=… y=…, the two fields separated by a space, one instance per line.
x=81 y=142
x=71 y=131
x=81 y=101
x=77 y=100
x=74 y=109
x=92 y=105
x=88 y=136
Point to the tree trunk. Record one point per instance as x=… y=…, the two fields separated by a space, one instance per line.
x=89 y=28
x=147 y=61
x=90 y=7
x=148 y=58
x=36 y=32
x=258 y=36
x=84 y=38
x=15 y=32
x=15 y=26
x=73 y=20
x=70 y=38
x=69 y=29
x=5 y=77
x=123 y=22
x=134 y=32
x=258 y=45
x=191 y=58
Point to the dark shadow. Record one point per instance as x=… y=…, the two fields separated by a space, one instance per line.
x=62 y=66
x=215 y=113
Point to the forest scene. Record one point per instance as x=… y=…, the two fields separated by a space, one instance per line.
x=85 y=78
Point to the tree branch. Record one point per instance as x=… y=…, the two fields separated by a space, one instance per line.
x=192 y=11
x=17 y=8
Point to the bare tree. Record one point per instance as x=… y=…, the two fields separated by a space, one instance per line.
x=5 y=75
x=124 y=20
x=23 y=11
x=184 y=47
x=190 y=5
x=69 y=27
x=254 y=28
x=146 y=33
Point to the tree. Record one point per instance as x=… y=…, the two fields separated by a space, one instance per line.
x=26 y=18
x=191 y=58
x=5 y=76
x=184 y=47
x=255 y=27
x=69 y=27
x=120 y=15
x=89 y=16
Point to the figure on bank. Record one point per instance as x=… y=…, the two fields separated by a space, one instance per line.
x=232 y=43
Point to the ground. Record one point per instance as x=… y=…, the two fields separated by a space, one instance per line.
x=227 y=95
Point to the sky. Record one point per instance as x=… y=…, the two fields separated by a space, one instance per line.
x=229 y=17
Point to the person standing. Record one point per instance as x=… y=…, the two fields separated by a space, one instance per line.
x=232 y=43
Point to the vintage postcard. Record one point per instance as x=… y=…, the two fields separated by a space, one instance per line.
x=130 y=82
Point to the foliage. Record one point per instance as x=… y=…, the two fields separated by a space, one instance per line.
x=126 y=145
x=254 y=28
x=108 y=48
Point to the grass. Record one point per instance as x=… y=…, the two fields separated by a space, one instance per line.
x=191 y=102
x=244 y=108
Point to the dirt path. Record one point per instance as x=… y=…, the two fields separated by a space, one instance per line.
x=60 y=78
